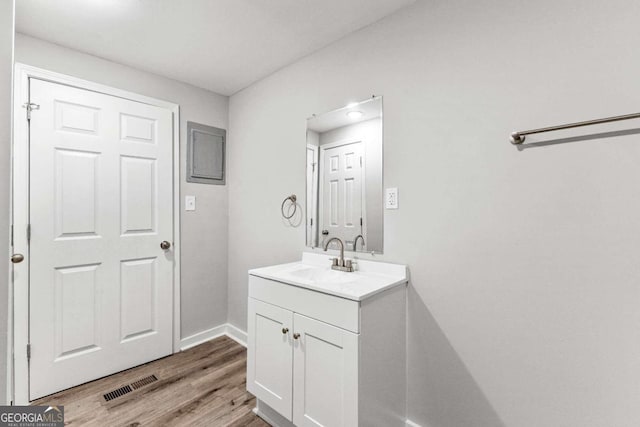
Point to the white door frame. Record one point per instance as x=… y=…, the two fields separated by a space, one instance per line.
x=315 y=196
x=18 y=336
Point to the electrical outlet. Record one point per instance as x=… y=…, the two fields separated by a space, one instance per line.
x=190 y=203
x=391 y=198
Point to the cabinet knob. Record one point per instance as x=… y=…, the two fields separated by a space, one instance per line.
x=296 y=336
x=285 y=330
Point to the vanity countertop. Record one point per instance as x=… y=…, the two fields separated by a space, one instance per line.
x=314 y=272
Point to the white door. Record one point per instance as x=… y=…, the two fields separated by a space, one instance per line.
x=269 y=355
x=100 y=205
x=341 y=202
x=325 y=365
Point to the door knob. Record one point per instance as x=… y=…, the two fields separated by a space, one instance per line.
x=165 y=245
x=285 y=330
x=296 y=336
x=17 y=258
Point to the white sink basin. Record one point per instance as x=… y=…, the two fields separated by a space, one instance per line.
x=314 y=272
x=322 y=275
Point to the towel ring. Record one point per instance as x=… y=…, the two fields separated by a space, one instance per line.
x=292 y=198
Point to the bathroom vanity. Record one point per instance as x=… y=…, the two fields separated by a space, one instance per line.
x=325 y=347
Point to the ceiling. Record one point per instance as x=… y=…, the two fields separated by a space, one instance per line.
x=219 y=45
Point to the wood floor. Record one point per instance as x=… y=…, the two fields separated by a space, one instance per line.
x=202 y=386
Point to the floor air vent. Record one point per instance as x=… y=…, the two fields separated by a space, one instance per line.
x=143 y=382
x=130 y=387
x=117 y=393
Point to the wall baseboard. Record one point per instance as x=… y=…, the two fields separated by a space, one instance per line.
x=227 y=329
x=201 y=337
x=236 y=334
x=410 y=423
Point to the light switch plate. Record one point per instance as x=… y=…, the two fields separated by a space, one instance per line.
x=190 y=203
x=391 y=198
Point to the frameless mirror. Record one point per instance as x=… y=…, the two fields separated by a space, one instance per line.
x=344 y=177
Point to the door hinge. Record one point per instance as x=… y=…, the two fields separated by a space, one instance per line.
x=29 y=233
x=360 y=161
x=28 y=351
x=30 y=106
x=360 y=222
x=311 y=222
x=11 y=234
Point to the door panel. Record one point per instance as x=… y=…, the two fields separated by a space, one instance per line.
x=101 y=288
x=138 y=298
x=137 y=129
x=269 y=357
x=75 y=192
x=79 y=118
x=325 y=375
x=138 y=195
x=78 y=323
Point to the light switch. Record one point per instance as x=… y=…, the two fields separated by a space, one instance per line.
x=391 y=198
x=190 y=203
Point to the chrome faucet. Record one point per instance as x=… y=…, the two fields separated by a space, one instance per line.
x=355 y=241
x=339 y=263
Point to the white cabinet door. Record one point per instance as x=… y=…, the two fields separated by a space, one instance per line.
x=325 y=369
x=101 y=287
x=270 y=358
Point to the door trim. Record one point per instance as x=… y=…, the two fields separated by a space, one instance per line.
x=18 y=330
x=315 y=194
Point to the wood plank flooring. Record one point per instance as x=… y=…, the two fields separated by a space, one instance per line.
x=202 y=386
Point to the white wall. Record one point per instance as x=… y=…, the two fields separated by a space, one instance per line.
x=524 y=304
x=204 y=232
x=370 y=131
x=6 y=72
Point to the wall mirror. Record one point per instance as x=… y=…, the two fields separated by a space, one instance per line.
x=344 y=177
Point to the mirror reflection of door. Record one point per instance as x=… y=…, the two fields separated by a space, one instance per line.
x=341 y=211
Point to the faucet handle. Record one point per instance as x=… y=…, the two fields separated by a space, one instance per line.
x=334 y=261
x=347 y=263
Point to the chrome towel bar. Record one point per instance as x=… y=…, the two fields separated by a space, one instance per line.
x=517 y=138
